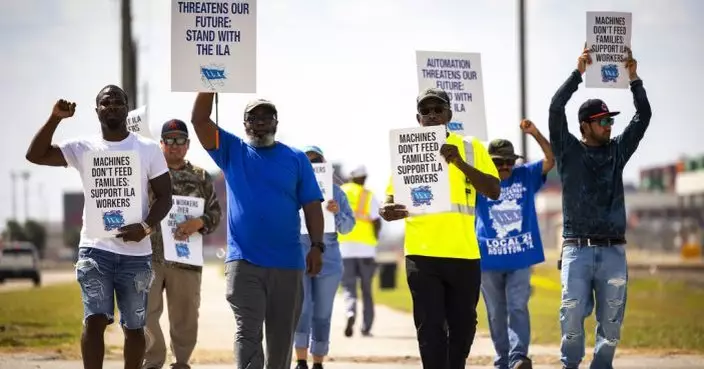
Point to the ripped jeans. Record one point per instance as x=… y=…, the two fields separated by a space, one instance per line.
x=105 y=276
x=592 y=277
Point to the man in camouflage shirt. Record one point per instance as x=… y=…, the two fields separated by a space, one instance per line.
x=181 y=281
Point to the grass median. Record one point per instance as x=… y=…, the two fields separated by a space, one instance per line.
x=660 y=315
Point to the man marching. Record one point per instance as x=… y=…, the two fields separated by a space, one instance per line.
x=594 y=270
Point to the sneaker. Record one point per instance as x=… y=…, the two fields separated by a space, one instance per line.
x=523 y=364
x=318 y=366
x=366 y=334
x=350 y=325
x=302 y=364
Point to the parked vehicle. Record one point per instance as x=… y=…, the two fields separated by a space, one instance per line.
x=19 y=260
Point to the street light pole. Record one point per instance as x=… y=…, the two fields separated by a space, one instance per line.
x=522 y=71
x=13 y=177
x=25 y=177
x=129 y=54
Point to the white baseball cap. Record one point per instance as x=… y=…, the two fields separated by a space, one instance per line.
x=360 y=171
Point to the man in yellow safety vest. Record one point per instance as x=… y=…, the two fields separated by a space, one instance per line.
x=358 y=249
x=442 y=254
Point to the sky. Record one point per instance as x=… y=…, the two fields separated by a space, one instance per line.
x=342 y=74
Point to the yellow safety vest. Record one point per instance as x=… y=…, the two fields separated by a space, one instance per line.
x=451 y=234
x=360 y=201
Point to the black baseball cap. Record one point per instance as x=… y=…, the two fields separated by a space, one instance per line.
x=502 y=149
x=257 y=103
x=433 y=93
x=593 y=109
x=174 y=125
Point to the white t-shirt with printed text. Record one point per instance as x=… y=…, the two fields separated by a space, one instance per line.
x=152 y=165
x=359 y=250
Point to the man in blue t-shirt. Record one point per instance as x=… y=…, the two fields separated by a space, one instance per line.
x=268 y=183
x=509 y=241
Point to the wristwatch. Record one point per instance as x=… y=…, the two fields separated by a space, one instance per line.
x=147 y=228
x=319 y=245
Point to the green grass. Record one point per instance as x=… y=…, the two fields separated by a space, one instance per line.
x=45 y=317
x=660 y=315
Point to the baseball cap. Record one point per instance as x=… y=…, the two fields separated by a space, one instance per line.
x=594 y=108
x=314 y=149
x=502 y=149
x=174 y=125
x=433 y=93
x=259 y=102
x=360 y=171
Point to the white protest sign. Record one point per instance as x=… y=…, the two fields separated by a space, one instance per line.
x=420 y=178
x=460 y=75
x=137 y=122
x=189 y=251
x=113 y=191
x=214 y=46
x=323 y=173
x=608 y=33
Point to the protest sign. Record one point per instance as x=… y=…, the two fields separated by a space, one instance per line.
x=137 y=122
x=190 y=250
x=323 y=173
x=113 y=191
x=460 y=75
x=420 y=178
x=608 y=34
x=214 y=46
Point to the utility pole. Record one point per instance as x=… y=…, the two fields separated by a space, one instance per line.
x=25 y=177
x=129 y=54
x=522 y=71
x=14 y=176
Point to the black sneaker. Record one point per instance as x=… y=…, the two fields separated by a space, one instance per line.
x=318 y=366
x=350 y=325
x=524 y=363
x=302 y=364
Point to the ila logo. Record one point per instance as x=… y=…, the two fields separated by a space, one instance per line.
x=421 y=195
x=213 y=76
x=113 y=219
x=609 y=73
x=182 y=250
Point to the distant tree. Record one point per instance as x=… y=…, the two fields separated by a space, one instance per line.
x=72 y=237
x=35 y=233
x=14 y=231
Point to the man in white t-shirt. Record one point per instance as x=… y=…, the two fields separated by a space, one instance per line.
x=114 y=258
x=358 y=249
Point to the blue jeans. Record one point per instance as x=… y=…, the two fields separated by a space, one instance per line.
x=105 y=276
x=506 y=297
x=314 y=323
x=592 y=277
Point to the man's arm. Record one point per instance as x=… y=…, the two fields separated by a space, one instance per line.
x=485 y=184
x=344 y=219
x=549 y=161
x=630 y=138
x=313 y=212
x=212 y=213
x=162 y=190
x=206 y=130
x=40 y=150
x=560 y=136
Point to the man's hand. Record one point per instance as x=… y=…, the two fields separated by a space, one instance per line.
x=63 y=109
x=333 y=207
x=450 y=153
x=390 y=212
x=584 y=59
x=528 y=127
x=314 y=261
x=132 y=232
x=187 y=228
x=631 y=65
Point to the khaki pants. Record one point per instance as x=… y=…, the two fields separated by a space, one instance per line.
x=183 y=297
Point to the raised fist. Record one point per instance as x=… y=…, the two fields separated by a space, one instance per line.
x=528 y=127
x=63 y=109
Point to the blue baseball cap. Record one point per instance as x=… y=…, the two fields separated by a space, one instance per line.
x=314 y=149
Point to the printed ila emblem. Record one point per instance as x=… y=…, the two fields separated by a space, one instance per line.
x=421 y=195
x=182 y=250
x=609 y=73
x=113 y=219
x=455 y=126
x=506 y=216
x=213 y=76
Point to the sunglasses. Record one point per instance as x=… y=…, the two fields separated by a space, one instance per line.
x=266 y=119
x=180 y=141
x=504 y=162
x=434 y=109
x=605 y=122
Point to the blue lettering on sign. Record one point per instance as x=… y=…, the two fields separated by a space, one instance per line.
x=455 y=126
x=421 y=195
x=609 y=73
x=113 y=219
x=213 y=76
x=182 y=250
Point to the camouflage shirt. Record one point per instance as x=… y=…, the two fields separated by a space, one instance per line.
x=192 y=181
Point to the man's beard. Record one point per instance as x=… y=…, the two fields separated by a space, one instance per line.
x=113 y=121
x=261 y=139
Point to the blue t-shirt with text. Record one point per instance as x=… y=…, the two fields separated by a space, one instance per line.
x=507 y=228
x=266 y=188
